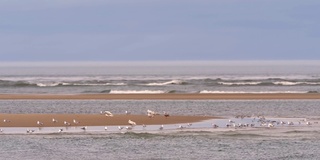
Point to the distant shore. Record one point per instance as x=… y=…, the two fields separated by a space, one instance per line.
x=165 y=96
x=30 y=120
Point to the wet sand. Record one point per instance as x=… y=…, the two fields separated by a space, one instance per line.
x=30 y=120
x=163 y=96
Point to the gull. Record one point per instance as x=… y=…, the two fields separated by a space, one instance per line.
x=75 y=121
x=39 y=123
x=127 y=112
x=181 y=127
x=84 y=128
x=214 y=125
x=6 y=121
x=308 y=123
x=66 y=123
x=30 y=131
x=161 y=127
x=129 y=128
x=108 y=114
x=290 y=123
x=230 y=121
x=149 y=112
x=189 y=124
x=132 y=123
x=144 y=126
x=150 y=115
x=54 y=120
x=120 y=127
x=60 y=130
x=1 y=130
x=270 y=125
x=105 y=128
x=166 y=114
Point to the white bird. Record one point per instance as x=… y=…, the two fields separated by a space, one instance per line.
x=127 y=112
x=120 y=127
x=54 y=120
x=308 y=123
x=181 y=127
x=230 y=121
x=129 y=128
x=108 y=114
x=60 y=130
x=189 y=124
x=149 y=112
x=132 y=123
x=66 y=123
x=161 y=127
x=105 y=128
x=144 y=126
x=39 y=123
x=270 y=125
x=6 y=121
x=75 y=121
x=1 y=130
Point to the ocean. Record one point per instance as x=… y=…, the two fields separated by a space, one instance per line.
x=289 y=142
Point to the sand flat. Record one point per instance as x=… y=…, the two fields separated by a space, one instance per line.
x=164 y=96
x=30 y=120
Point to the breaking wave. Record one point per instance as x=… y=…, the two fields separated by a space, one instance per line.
x=173 y=82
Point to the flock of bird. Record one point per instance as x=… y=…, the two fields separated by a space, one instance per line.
x=259 y=121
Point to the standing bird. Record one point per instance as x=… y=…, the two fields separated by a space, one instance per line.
x=6 y=121
x=166 y=114
x=60 y=130
x=127 y=112
x=161 y=127
x=105 y=128
x=75 y=121
x=39 y=123
x=54 y=120
x=132 y=123
x=84 y=128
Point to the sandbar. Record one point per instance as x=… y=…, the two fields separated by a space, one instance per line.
x=30 y=120
x=163 y=96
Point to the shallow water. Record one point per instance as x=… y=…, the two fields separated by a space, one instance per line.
x=204 y=143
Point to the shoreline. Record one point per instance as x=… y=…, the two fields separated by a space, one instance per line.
x=162 y=96
x=30 y=120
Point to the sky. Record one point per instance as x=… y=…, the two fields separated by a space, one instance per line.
x=159 y=30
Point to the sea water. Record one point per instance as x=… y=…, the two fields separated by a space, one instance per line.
x=289 y=142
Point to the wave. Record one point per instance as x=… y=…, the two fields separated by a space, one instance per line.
x=137 y=91
x=173 y=82
x=253 y=92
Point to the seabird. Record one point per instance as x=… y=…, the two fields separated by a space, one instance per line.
x=105 y=128
x=129 y=128
x=166 y=114
x=6 y=121
x=308 y=123
x=132 y=123
x=108 y=114
x=75 y=121
x=1 y=130
x=215 y=126
x=127 y=112
x=66 y=123
x=144 y=126
x=161 y=127
x=39 y=123
x=84 y=128
x=54 y=120
x=120 y=127
x=181 y=127
x=60 y=130
x=189 y=124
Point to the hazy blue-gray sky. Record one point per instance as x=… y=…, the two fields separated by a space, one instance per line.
x=107 y=30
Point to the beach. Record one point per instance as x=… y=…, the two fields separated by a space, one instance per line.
x=30 y=120
x=164 y=96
